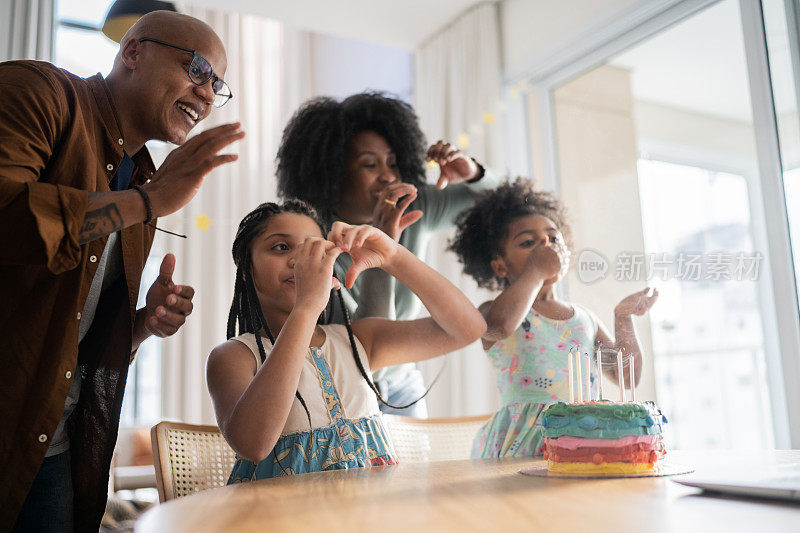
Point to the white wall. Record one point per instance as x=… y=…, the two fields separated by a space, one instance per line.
x=402 y=24
x=341 y=67
x=532 y=30
x=720 y=142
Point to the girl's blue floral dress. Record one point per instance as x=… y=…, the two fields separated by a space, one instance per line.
x=346 y=426
x=532 y=372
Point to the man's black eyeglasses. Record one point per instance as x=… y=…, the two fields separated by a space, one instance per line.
x=200 y=72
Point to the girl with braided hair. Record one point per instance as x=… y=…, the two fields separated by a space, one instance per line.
x=362 y=160
x=515 y=240
x=292 y=396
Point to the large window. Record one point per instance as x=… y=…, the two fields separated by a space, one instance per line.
x=142 y=403
x=697 y=228
x=782 y=27
x=80 y=47
x=791 y=181
x=83 y=50
x=707 y=334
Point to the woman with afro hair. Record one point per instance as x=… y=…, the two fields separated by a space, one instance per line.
x=514 y=239
x=362 y=161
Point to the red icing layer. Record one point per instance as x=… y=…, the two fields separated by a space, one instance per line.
x=640 y=452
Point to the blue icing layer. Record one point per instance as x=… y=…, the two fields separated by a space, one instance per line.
x=590 y=427
x=602 y=427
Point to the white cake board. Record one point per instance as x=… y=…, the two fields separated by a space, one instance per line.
x=666 y=469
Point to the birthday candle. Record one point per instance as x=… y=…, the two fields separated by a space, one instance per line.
x=578 y=373
x=620 y=377
x=599 y=375
x=571 y=381
x=633 y=381
x=588 y=384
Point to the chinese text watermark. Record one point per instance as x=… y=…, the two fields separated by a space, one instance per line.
x=684 y=266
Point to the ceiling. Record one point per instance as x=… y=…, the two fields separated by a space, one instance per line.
x=697 y=65
x=399 y=23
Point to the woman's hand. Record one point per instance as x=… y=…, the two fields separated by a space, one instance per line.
x=455 y=165
x=389 y=213
x=637 y=303
x=368 y=246
x=313 y=273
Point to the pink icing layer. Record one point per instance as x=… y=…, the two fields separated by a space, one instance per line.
x=573 y=443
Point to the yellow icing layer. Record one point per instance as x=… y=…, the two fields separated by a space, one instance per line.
x=602 y=468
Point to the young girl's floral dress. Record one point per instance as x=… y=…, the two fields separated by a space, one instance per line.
x=346 y=426
x=532 y=372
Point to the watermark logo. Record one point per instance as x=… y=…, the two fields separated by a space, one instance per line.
x=684 y=266
x=592 y=266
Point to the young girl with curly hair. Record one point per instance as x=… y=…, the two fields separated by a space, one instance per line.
x=362 y=161
x=514 y=239
x=292 y=396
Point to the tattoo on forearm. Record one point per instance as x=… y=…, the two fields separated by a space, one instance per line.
x=100 y=222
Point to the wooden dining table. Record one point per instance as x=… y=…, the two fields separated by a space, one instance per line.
x=484 y=495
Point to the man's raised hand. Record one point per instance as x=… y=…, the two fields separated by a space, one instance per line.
x=179 y=178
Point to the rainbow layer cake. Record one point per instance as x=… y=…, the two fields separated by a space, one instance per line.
x=603 y=438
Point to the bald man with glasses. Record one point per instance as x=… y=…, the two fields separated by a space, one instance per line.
x=79 y=197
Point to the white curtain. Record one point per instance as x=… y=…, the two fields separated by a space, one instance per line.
x=26 y=29
x=268 y=74
x=458 y=82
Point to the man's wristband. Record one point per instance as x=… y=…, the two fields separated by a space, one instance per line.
x=148 y=205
